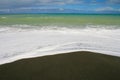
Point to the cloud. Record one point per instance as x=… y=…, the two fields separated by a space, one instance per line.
x=107 y=9
x=86 y=5
x=114 y=1
x=15 y=3
x=4 y=10
x=26 y=3
x=22 y=3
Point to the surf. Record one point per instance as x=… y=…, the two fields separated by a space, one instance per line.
x=21 y=42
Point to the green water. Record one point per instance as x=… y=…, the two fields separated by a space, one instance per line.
x=59 y=19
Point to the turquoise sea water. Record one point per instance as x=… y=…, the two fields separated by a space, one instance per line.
x=62 y=20
x=33 y=35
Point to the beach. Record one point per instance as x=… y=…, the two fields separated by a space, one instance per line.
x=59 y=47
x=81 y=65
x=59 y=39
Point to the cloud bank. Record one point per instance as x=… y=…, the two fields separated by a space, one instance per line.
x=109 y=5
x=25 y=3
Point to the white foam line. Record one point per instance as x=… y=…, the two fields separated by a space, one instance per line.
x=12 y=59
x=52 y=51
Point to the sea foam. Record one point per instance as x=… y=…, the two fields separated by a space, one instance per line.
x=18 y=43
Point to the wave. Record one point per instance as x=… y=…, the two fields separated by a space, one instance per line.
x=18 y=43
x=58 y=27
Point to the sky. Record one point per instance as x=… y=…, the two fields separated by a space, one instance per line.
x=60 y=6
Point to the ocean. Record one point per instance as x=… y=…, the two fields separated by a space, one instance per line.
x=35 y=35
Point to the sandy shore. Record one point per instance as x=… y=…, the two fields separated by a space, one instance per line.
x=73 y=66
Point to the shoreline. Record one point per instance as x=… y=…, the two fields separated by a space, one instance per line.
x=80 y=65
x=22 y=57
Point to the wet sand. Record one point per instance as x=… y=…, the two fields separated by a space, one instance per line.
x=69 y=66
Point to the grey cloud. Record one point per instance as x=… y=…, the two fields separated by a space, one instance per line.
x=107 y=9
x=15 y=3
x=22 y=3
x=5 y=4
x=114 y=1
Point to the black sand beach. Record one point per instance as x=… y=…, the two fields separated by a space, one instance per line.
x=73 y=66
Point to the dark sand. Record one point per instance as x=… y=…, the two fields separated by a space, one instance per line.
x=72 y=66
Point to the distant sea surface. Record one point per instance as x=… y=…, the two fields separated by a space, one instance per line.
x=73 y=20
x=33 y=35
